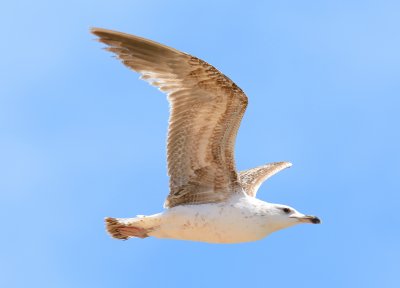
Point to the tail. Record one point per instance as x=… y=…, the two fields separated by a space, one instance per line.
x=124 y=228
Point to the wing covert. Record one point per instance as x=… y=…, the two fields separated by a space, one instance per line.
x=252 y=179
x=206 y=109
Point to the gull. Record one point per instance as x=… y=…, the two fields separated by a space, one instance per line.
x=209 y=200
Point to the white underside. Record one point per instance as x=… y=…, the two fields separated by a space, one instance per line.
x=241 y=219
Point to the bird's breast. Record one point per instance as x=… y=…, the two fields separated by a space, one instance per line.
x=227 y=222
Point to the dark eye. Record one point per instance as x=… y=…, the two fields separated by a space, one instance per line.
x=286 y=210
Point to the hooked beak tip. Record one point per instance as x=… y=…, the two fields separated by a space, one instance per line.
x=308 y=219
x=315 y=220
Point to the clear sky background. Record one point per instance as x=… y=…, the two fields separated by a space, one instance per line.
x=82 y=138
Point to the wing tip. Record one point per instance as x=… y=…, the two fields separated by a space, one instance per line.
x=98 y=31
x=106 y=33
x=102 y=34
x=285 y=164
x=95 y=30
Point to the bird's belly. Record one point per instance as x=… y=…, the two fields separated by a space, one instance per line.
x=213 y=223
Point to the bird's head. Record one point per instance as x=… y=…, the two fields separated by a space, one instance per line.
x=285 y=216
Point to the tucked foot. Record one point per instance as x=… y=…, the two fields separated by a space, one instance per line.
x=124 y=231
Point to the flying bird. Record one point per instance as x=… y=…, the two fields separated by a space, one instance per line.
x=209 y=200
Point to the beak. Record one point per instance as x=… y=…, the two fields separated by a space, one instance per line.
x=307 y=219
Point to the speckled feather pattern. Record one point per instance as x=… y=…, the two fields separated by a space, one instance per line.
x=206 y=111
x=251 y=179
x=208 y=200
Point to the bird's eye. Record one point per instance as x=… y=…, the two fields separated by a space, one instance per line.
x=286 y=210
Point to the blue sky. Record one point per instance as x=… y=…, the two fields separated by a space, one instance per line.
x=80 y=134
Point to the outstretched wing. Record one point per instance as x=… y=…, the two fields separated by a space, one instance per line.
x=252 y=179
x=206 y=108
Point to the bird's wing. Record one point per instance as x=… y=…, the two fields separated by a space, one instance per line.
x=252 y=179
x=206 y=108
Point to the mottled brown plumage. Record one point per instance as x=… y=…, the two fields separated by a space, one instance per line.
x=252 y=179
x=206 y=111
